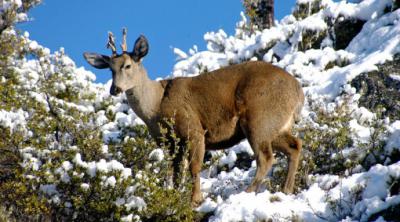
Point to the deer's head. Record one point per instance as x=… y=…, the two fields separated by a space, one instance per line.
x=126 y=68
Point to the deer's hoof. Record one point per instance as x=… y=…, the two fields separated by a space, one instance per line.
x=287 y=190
x=250 y=189
x=196 y=201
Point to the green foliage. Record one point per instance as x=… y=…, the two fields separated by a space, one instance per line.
x=311 y=39
x=323 y=144
x=340 y=62
x=250 y=11
x=329 y=143
x=304 y=10
x=13 y=12
x=203 y=69
x=375 y=146
x=260 y=13
x=165 y=201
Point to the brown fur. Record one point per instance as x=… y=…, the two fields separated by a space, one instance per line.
x=216 y=110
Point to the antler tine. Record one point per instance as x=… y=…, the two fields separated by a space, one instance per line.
x=124 y=46
x=111 y=43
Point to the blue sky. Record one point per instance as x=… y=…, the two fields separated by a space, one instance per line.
x=81 y=26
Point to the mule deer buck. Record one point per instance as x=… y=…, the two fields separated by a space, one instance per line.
x=215 y=110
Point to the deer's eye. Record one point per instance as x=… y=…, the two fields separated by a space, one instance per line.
x=127 y=66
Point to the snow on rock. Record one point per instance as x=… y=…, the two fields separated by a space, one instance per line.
x=365 y=10
x=313 y=23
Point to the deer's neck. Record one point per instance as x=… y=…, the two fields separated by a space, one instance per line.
x=145 y=99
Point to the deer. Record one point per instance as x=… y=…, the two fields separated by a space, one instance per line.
x=253 y=100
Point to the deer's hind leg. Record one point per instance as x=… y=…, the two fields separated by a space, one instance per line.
x=261 y=143
x=291 y=147
x=264 y=158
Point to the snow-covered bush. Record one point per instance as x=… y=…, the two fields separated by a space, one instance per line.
x=13 y=11
x=69 y=151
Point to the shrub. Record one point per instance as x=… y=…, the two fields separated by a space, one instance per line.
x=54 y=163
x=330 y=145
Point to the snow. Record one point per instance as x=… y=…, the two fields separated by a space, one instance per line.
x=228 y=160
x=393 y=141
x=102 y=166
x=364 y=115
x=313 y=23
x=85 y=186
x=365 y=10
x=311 y=204
x=207 y=206
x=135 y=202
x=7 y=4
x=156 y=155
x=78 y=160
x=13 y=120
x=67 y=166
x=395 y=77
x=33 y=45
x=180 y=54
x=49 y=189
x=378 y=40
x=362 y=132
x=111 y=181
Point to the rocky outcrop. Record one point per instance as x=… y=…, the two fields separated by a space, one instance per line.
x=381 y=89
x=344 y=31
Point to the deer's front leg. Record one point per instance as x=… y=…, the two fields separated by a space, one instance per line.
x=196 y=156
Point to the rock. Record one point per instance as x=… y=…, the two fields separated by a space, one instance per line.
x=396 y=5
x=344 y=31
x=381 y=89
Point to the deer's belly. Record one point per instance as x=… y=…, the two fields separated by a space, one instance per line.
x=223 y=134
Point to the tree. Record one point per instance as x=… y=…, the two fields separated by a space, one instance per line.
x=260 y=12
x=12 y=12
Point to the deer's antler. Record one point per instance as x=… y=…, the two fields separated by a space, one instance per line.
x=111 y=43
x=124 y=46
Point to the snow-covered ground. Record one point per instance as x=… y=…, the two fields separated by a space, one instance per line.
x=354 y=197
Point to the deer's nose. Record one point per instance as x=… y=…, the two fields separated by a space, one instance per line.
x=115 y=90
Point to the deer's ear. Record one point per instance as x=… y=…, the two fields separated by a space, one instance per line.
x=97 y=60
x=140 y=49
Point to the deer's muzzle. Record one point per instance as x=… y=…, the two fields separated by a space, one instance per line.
x=115 y=90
